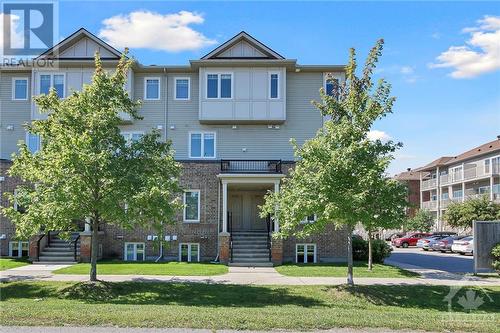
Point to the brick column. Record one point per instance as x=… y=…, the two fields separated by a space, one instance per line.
x=224 y=247
x=85 y=246
x=277 y=251
x=33 y=247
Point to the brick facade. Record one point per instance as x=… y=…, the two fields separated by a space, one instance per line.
x=200 y=176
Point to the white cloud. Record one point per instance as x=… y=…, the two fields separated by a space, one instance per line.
x=145 y=29
x=17 y=38
x=378 y=135
x=480 y=55
x=407 y=70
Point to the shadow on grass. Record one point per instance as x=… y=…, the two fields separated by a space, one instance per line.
x=420 y=296
x=189 y=294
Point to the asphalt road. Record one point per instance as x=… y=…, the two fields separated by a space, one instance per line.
x=453 y=263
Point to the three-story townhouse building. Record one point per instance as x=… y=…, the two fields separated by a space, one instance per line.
x=471 y=174
x=230 y=116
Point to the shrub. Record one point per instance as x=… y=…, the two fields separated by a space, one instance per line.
x=495 y=253
x=380 y=250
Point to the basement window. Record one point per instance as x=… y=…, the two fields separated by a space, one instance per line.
x=189 y=252
x=18 y=249
x=305 y=253
x=134 y=252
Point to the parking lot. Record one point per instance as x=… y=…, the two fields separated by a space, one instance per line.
x=449 y=262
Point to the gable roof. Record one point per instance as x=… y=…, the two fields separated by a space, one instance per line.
x=408 y=175
x=75 y=37
x=261 y=51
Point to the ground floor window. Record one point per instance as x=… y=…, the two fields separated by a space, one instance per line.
x=189 y=252
x=305 y=253
x=134 y=252
x=18 y=249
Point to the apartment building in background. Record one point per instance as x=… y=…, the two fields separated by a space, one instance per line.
x=230 y=116
x=471 y=174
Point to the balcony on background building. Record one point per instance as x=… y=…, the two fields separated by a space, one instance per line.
x=250 y=166
x=428 y=184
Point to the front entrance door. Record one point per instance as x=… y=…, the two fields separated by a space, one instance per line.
x=245 y=211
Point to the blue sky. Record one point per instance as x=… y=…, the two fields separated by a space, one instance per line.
x=435 y=114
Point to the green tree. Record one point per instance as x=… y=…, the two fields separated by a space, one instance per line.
x=462 y=214
x=86 y=169
x=337 y=169
x=386 y=209
x=422 y=221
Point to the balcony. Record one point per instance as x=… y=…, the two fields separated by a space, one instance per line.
x=429 y=205
x=428 y=184
x=250 y=166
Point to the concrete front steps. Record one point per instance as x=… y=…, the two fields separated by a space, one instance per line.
x=250 y=248
x=58 y=251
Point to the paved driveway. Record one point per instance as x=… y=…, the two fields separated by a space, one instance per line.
x=448 y=262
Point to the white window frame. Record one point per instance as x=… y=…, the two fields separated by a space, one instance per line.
x=52 y=81
x=146 y=86
x=279 y=84
x=130 y=133
x=306 y=221
x=189 y=88
x=219 y=82
x=305 y=253
x=203 y=145
x=197 y=220
x=27 y=137
x=135 y=251
x=19 y=248
x=332 y=75
x=456 y=191
x=453 y=173
x=14 y=79
x=189 y=252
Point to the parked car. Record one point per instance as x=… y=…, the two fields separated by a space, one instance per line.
x=444 y=233
x=427 y=243
x=410 y=239
x=444 y=245
x=464 y=245
x=390 y=237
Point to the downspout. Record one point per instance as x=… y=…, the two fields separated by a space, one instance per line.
x=218 y=220
x=160 y=255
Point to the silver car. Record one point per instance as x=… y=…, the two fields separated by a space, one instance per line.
x=426 y=243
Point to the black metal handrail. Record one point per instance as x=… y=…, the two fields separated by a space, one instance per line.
x=75 y=246
x=269 y=228
x=250 y=166
x=38 y=247
x=230 y=228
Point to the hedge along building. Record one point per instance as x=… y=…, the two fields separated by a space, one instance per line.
x=230 y=116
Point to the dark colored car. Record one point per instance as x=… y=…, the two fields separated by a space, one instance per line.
x=410 y=239
x=444 y=245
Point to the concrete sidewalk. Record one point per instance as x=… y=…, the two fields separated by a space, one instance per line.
x=240 y=275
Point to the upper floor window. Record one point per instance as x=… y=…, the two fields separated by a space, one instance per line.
x=19 y=89
x=152 y=88
x=56 y=81
x=487 y=166
x=202 y=145
x=273 y=85
x=33 y=142
x=331 y=83
x=309 y=219
x=219 y=85
x=182 y=85
x=132 y=136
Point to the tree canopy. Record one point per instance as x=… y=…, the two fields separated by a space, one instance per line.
x=422 y=221
x=462 y=214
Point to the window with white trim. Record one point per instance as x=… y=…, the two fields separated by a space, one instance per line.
x=134 y=252
x=20 y=89
x=331 y=82
x=189 y=252
x=132 y=136
x=33 y=142
x=202 y=145
x=191 y=206
x=274 y=85
x=56 y=81
x=18 y=249
x=487 y=166
x=151 y=88
x=219 y=85
x=309 y=219
x=182 y=88
x=305 y=253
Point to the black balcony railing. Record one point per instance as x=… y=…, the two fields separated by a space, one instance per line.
x=250 y=166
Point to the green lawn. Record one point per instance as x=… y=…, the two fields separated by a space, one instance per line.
x=147 y=268
x=340 y=270
x=8 y=263
x=241 y=307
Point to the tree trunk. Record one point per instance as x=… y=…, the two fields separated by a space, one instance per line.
x=370 y=255
x=350 y=280
x=93 y=250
